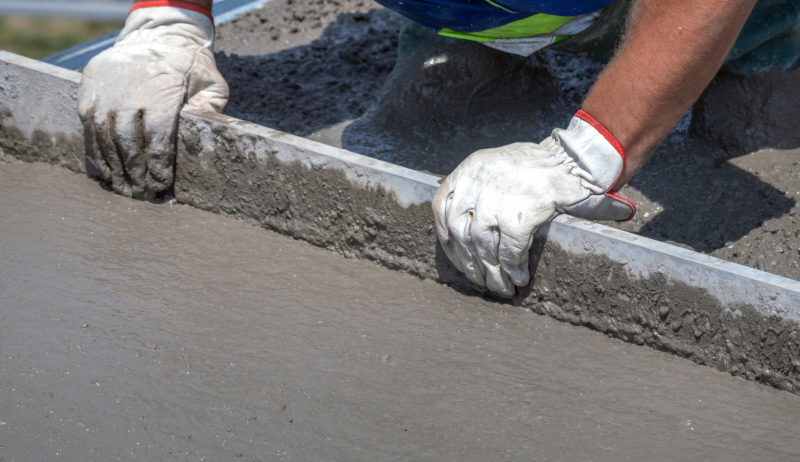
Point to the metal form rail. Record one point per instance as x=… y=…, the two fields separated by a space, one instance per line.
x=81 y=9
x=714 y=312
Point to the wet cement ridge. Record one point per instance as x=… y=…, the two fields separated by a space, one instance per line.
x=713 y=312
x=239 y=168
x=731 y=283
x=342 y=201
x=38 y=113
x=603 y=278
x=656 y=310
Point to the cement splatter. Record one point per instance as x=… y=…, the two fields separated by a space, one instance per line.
x=133 y=330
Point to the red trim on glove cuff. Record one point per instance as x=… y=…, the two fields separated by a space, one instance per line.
x=625 y=200
x=608 y=136
x=174 y=4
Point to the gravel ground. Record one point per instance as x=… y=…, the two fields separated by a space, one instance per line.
x=311 y=67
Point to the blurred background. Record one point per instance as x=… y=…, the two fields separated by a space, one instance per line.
x=37 y=28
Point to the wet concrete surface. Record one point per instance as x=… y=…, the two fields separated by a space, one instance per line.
x=326 y=67
x=132 y=330
x=328 y=71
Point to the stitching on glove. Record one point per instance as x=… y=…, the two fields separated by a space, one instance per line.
x=625 y=200
x=174 y=4
x=608 y=136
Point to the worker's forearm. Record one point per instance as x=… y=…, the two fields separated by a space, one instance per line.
x=672 y=50
x=202 y=3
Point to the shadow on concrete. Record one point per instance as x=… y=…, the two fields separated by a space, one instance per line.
x=447 y=98
x=706 y=203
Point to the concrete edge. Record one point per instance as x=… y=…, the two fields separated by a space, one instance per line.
x=410 y=187
x=730 y=282
x=41 y=66
x=225 y=165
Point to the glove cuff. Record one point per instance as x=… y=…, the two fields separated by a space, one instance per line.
x=173 y=4
x=599 y=157
x=612 y=140
x=168 y=21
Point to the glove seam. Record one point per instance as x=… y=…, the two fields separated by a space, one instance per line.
x=174 y=4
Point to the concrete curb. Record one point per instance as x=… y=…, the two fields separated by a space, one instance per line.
x=714 y=312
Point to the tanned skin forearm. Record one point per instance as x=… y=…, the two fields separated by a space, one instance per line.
x=203 y=3
x=671 y=51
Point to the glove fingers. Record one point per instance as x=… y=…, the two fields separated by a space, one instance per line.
x=516 y=237
x=459 y=220
x=207 y=88
x=146 y=137
x=106 y=133
x=485 y=240
x=135 y=141
x=441 y=201
x=513 y=258
x=440 y=204
x=96 y=164
x=156 y=137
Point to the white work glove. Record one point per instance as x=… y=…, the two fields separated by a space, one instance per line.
x=489 y=208
x=130 y=95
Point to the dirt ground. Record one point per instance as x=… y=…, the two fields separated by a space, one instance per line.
x=136 y=331
x=312 y=67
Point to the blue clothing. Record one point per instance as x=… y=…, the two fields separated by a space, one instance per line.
x=770 y=38
x=480 y=15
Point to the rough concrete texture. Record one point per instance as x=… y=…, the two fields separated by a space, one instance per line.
x=744 y=114
x=730 y=283
x=38 y=117
x=219 y=180
x=139 y=331
x=448 y=98
x=742 y=209
x=664 y=314
x=324 y=66
x=264 y=181
x=428 y=115
x=774 y=245
x=244 y=175
x=694 y=192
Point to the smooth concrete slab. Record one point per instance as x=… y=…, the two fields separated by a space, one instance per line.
x=714 y=312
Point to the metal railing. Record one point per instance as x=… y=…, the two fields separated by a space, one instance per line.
x=82 y=9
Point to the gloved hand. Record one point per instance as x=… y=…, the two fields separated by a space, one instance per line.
x=130 y=95
x=489 y=208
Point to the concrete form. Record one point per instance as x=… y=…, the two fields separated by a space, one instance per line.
x=714 y=312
